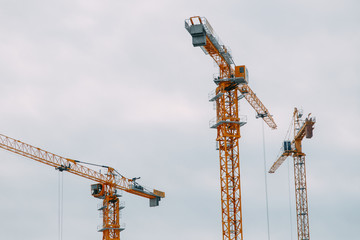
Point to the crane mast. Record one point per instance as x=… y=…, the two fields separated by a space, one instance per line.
x=232 y=85
x=105 y=188
x=302 y=128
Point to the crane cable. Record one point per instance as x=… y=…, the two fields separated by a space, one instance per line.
x=97 y=165
x=290 y=208
x=287 y=138
x=61 y=203
x=266 y=185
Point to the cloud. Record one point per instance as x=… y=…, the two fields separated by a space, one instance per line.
x=119 y=83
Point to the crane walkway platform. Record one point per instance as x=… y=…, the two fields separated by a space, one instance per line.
x=103 y=228
x=213 y=96
x=101 y=206
x=236 y=80
x=214 y=123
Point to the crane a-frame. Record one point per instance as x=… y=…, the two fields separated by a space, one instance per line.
x=302 y=128
x=232 y=85
x=105 y=188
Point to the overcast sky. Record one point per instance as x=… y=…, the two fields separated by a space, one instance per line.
x=119 y=83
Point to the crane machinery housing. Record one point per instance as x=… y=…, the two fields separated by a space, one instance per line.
x=302 y=128
x=232 y=85
x=105 y=188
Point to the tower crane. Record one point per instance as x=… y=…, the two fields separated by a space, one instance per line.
x=105 y=188
x=302 y=128
x=232 y=85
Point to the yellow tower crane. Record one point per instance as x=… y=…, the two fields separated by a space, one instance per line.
x=232 y=85
x=105 y=188
x=302 y=128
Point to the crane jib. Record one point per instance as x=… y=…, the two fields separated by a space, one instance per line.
x=105 y=188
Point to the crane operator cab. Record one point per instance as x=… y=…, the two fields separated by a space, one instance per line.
x=97 y=190
x=242 y=72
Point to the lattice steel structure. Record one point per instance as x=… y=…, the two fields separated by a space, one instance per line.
x=302 y=128
x=106 y=187
x=231 y=87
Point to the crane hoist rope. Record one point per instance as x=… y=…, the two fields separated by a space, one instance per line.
x=60 y=204
x=266 y=182
x=290 y=202
x=281 y=150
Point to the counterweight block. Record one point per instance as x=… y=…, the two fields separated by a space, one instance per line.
x=198 y=35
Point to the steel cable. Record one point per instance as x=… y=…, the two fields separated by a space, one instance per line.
x=61 y=203
x=266 y=185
